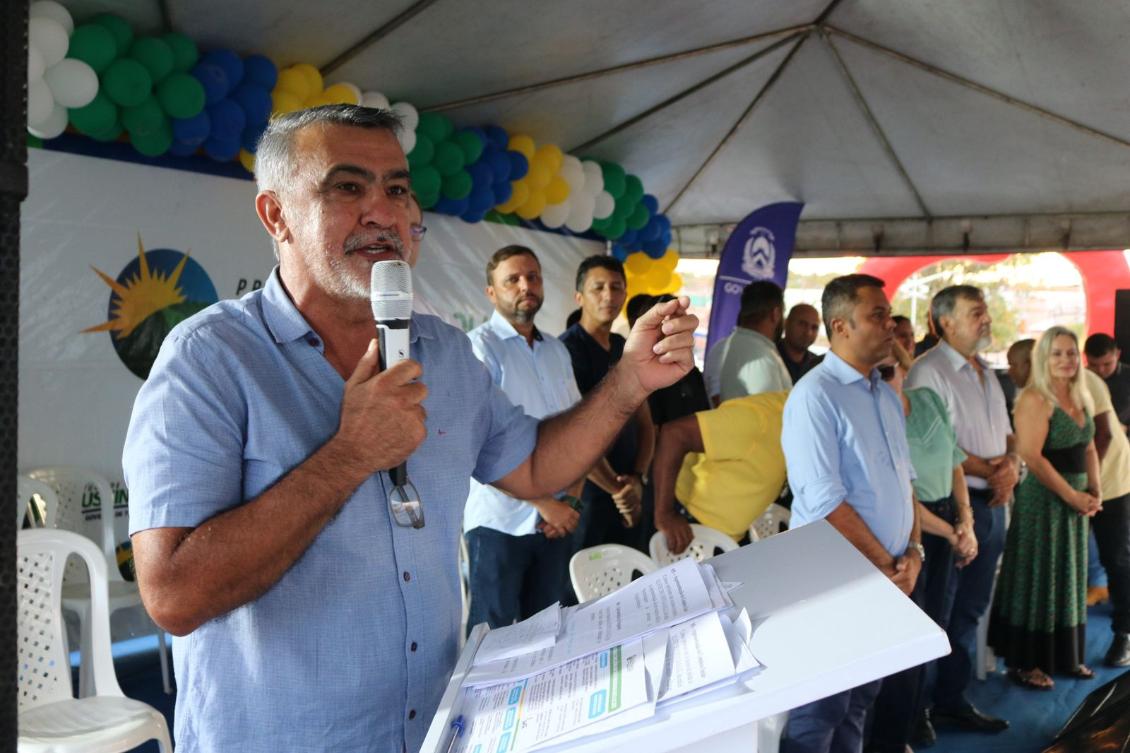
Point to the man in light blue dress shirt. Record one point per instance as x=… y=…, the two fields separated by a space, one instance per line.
x=844 y=438
x=519 y=549
x=310 y=615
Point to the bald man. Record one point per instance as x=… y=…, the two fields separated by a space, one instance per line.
x=801 y=327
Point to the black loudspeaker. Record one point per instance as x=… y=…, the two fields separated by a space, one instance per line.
x=1122 y=320
x=1100 y=724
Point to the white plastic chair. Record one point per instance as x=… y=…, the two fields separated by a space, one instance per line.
x=464 y=588
x=50 y=717
x=70 y=484
x=37 y=498
x=600 y=570
x=774 y=520
x=706 y=543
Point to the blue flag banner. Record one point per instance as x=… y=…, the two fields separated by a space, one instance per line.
x=758 y=249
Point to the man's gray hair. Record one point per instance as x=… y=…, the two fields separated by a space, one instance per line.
x=945 y=301
x=274 y=155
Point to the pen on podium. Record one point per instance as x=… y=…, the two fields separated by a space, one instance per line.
x=457 y=727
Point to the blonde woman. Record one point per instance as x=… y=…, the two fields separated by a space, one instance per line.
x=1039 y=613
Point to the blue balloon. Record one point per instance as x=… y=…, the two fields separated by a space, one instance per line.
x=519 y=165
x=496 y=136
x=255 y=101
x=665 y=225
x=628 y=239
x=259 y=70
x=502 y=192
x=445 y=205
x=228 y=120
x=666 y=238
x=192 y=131
x=181 y=149
x=652 y=230
x=481 y=199
x=651 y=203
x=222 y=150
x=214 y=80
x=620 y=252
x=229 y=62
x=655 y=249
x=472 y=216
x=481 y=175
x=250 y=138
x=499 y=163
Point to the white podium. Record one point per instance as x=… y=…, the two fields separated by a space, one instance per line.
x=824 y=619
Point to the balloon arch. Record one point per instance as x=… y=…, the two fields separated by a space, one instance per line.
x=1103 y=273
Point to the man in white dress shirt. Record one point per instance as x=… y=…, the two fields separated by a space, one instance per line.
x=519 y=549
x=976 y=404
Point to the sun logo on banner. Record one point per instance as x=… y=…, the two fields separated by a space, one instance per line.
x=151 y=295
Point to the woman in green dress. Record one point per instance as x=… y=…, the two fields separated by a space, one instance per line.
x=1039 y=614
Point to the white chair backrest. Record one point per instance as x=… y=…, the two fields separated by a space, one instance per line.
x=44 y=669
x=774 y=520
x=600 y=570
x=706 y=543
x=35 y=494
x=72 y=484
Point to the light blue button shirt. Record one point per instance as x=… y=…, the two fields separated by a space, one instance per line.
x=351 y=649
x=540 y=380
x=844 y=439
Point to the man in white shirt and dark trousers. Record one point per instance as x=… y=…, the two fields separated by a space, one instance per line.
x=746 y=362
x=976 y=404
x=519 y=549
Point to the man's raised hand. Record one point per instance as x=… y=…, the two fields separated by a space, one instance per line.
x=660 y=348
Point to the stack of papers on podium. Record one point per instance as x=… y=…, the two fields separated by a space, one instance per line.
x=569 y=673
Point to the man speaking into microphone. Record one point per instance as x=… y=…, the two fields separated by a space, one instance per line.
x=309 y=616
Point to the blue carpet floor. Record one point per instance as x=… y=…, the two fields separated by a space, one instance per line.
x=1035 y=716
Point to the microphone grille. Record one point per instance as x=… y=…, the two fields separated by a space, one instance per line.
x=390 y=290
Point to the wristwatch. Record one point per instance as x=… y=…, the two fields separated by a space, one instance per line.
x=917 y=546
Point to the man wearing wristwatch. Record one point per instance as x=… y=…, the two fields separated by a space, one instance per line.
x=518 y=550
x=844 y=437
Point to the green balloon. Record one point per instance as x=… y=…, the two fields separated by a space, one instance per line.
x=94 y=45
x=155 y=54
x=181 y=95
x=153 y=144
x=616 y=229
x=613 y=179
x=471 y=146
x=435 y=126
x=426 y=180
x=110 y=134
x=119 y=28
x=127 y=82
x=184 y=51
x=96 y=117
x=428 y=200
x=457 y=185
x=639 y=217
x=145 y=118
x=599 y=226
x=633 y=189
x=34 y=142
x=422 y=153
x=623 y=209
x=448 y=158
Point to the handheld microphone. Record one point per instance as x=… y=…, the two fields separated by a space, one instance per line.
x=390 y=294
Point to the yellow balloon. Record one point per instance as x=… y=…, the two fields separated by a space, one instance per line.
x=341 y=94
x=318 y=100
x=247 y=159
x=520 y=193
x=637 y=263
x=533 y=206
x=539 y=175
x=284 y=101
x=313 y=78
x=670 y=259
x=294 y=82
x=676 y=283
x=520 y=142
x=557 y=190
x=658 y=278
x=550 y=156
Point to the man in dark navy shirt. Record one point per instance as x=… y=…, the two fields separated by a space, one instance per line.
x=613 y=493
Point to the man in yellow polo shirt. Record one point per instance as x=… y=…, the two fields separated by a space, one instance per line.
x=741 y=471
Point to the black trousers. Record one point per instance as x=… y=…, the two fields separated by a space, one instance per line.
x=1112 y=533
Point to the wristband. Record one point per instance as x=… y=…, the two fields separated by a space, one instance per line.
x=572 y=501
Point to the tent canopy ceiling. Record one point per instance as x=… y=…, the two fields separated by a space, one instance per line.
x=947 y=126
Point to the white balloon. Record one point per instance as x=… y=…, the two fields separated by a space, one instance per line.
x=73 y=83
x=580 y=215
x=375 y=100
x=35 y=66
x=39 y=102
x=54 y=11
x=594 y=177
x=54 y=125
x=603 y=205
x=407 y=140
x=554 y=215
x=573 y=173
x=408 y=115
x=50 y=38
